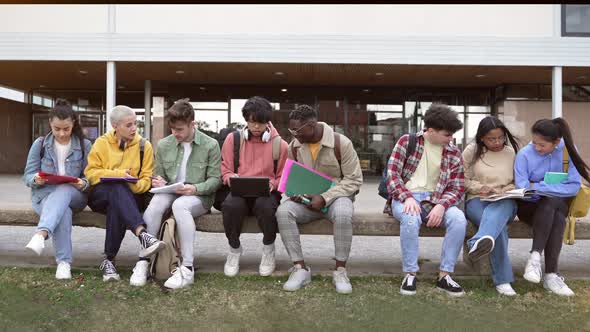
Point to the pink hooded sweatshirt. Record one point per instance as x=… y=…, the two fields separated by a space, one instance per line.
x=255 y=158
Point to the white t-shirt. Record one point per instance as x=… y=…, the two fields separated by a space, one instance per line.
x=61 y=152
x=181 y=174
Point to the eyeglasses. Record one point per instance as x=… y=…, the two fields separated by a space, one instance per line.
x=500 y=139
x=296 y=131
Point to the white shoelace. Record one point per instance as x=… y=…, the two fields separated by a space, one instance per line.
x=294 y=271
x=341 y=277
x=452 y=282
x=233 y=259
x=266 y=260
x=108 y=267
x=560 y=281
x=409 y=279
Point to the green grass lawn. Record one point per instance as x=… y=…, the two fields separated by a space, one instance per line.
x=31 y=299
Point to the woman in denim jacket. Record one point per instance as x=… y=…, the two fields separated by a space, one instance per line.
x=63 y=152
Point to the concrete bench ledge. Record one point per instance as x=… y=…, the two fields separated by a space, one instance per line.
x=373 y=224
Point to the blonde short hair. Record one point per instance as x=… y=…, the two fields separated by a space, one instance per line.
x=119 y=112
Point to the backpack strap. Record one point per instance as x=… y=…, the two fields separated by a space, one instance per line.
x=238 y=141
x=412 y=142
x=42 y=152
x=276 y=152
x=337 y=151
x=294 y=151
x=566 y=162
x=141 y=154
x=337 y=147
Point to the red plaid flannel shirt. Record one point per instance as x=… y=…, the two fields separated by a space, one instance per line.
x=400 y=168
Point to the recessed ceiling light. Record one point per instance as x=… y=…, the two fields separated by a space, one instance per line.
x=366 y=90
x=583 y=77
x=180 y=72
x=83 y=72
x=379 y=74
x=279 y=73
x=284 y=90
x=480 y=75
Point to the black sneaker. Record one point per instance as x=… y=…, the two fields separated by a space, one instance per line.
x=481 y=248
x=149 y=245
x=408 y=286
x=109 y=272
x=449 y=285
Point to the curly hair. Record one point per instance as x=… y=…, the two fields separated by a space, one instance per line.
x=303 y=112
x=182 y=110
x=442 y=117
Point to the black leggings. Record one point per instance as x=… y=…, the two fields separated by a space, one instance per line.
x=547 y=217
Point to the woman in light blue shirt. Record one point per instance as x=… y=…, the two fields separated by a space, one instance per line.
x=547 y=214
x=61 y=152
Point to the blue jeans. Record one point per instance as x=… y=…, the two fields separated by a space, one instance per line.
x=55 y=217
x=493 y=218
x=453 y=220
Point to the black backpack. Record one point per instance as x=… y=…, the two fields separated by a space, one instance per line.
x=383 y=183
x=224 y=190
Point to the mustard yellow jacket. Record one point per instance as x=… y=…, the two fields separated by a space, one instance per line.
x=106 y=159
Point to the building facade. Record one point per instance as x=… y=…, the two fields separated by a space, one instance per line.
x=370 y=70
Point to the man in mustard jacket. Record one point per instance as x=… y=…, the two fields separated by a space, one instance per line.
x=117 y=154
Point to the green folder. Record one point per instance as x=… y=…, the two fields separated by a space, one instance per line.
x=555 y=177
x=303 y=181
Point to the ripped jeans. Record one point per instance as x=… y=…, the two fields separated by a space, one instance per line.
x=453 y=220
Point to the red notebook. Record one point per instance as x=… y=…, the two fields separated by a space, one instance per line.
x=57 y=179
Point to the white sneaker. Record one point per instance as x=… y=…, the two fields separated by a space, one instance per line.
x=299 y=277
x=267 y=263
x=37 y=244
x=181 y=277
x=506 y=289
x=140 y=273
x=532 y=270
x=63 y=271
x=232 y=264
x=555 y=283
x=341 y=281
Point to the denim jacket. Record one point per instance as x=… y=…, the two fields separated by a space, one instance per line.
x=75 y=164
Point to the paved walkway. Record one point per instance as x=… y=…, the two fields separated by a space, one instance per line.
x=370 y=255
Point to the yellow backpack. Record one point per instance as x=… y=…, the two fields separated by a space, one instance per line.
x=578 y=207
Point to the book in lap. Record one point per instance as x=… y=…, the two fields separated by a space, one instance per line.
x=524 y=194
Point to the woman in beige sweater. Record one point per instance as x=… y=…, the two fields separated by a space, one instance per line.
x=489 y=169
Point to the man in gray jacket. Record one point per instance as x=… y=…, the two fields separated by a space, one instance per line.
x=316 y=145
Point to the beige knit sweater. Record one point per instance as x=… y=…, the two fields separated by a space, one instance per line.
x=493 y=169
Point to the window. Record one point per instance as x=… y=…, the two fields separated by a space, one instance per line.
x=12 y=94
x=575 y=20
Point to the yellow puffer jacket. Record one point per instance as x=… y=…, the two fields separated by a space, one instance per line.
x=106 y=159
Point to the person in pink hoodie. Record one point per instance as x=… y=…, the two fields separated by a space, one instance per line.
x=256 y=159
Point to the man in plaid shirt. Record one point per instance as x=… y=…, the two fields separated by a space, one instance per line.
x=426 y=186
